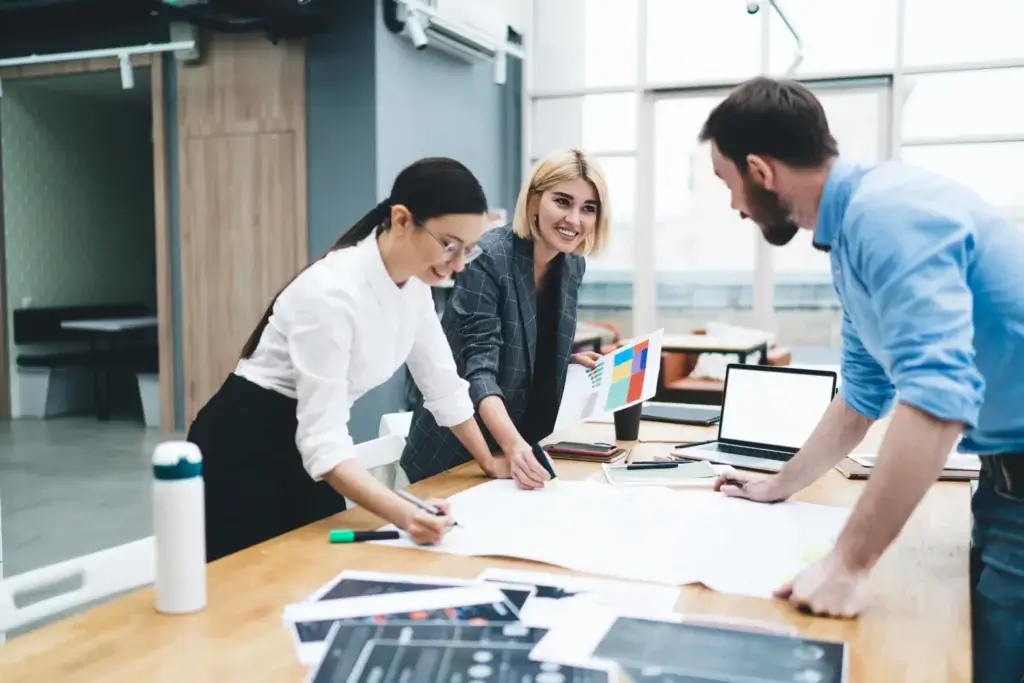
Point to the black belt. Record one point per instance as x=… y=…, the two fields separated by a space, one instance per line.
x=1006 y=471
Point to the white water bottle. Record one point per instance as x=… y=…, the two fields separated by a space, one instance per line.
x=179 y=521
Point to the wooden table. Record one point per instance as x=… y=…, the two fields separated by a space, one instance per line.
x=915 y=630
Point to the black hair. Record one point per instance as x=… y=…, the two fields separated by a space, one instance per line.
x=428 y=188
x=781 y=119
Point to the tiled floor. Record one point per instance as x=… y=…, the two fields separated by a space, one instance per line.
x=72 y=486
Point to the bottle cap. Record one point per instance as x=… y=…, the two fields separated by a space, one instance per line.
x=177 y=460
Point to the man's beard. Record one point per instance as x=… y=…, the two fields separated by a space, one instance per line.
x=770 y=213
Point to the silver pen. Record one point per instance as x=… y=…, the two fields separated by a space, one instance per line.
x=421 y=505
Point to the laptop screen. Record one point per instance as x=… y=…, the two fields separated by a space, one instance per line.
x=773 y=407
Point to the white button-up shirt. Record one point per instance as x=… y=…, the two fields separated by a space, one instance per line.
x=341 y=328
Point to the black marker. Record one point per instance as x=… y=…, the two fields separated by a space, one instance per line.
x=696 y=443
x=346 y=536
x=544 y=460
x=653 y=465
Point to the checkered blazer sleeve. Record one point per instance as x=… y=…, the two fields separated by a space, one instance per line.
x=474 y=309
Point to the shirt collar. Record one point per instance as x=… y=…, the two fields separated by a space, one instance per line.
x=377 y=274
x=842 y=179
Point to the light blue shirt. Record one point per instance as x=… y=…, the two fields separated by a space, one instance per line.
x=931 y=280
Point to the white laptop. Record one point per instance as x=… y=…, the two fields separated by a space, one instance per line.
x=767 y=415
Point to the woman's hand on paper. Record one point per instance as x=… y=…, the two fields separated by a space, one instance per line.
x=756 y=487
x=526 y=471
x=587 y=359
x=427 y=529
x=830 y=587
x=498 y=468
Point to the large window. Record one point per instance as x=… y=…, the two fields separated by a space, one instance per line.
x=946 y=32
x=679 y=255
x=837 y=36
x=969 y=126
x=701 y=41
x=584 y=44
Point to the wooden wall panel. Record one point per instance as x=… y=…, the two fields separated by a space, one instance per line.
x=244 y=233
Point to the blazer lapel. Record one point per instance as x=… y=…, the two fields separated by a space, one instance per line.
x=566 y=317
x=523 y=268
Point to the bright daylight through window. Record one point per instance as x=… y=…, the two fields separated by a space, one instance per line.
x=604 y=80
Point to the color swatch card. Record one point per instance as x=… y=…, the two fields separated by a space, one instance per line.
x=620 y=379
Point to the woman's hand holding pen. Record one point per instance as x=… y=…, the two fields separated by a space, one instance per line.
x=425 y=528
x=526 y=471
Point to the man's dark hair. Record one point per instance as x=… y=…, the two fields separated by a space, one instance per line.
x=773 y=118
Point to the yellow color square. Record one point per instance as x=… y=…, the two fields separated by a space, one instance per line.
x=622 y=371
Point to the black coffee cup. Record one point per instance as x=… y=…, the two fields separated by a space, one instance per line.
x=627 y=422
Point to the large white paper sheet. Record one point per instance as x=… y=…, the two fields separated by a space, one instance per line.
x=623 y=378
x=649 y=533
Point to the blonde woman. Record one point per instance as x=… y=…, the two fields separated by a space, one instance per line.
x=511 y=320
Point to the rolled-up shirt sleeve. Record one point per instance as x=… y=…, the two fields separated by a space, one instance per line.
x=914 y=264
x=430 y=361
x=866 y=387
x=474 y=303
x=319 y=333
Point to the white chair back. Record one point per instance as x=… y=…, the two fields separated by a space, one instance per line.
x=395 y=423
x=101 y=574
x=381 y=457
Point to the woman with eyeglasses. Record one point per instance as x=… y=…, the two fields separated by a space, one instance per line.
x=275 y=440
x=511 y=320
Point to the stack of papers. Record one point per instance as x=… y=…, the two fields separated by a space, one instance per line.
x=362 y=624
x=524 y=626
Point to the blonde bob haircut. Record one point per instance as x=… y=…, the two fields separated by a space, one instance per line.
x=557 y=168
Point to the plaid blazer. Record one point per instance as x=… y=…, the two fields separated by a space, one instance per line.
x=491 y=324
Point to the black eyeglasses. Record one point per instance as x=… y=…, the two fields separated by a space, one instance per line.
x=454 y=248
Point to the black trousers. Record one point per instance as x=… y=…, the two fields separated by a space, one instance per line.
x=256 y=486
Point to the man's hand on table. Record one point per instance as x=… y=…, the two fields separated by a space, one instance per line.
x=831 y=587
x=756 y=487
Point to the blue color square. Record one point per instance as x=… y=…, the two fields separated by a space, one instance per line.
x=643 y=359
x=624 y=356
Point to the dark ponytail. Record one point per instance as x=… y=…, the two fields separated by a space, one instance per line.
x=429 y=188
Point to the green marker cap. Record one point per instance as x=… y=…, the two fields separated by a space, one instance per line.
x=342 y=536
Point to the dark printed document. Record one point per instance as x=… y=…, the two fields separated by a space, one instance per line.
x=449 y=662
x=666 y=652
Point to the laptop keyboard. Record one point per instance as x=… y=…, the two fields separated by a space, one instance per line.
x=752 y=452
